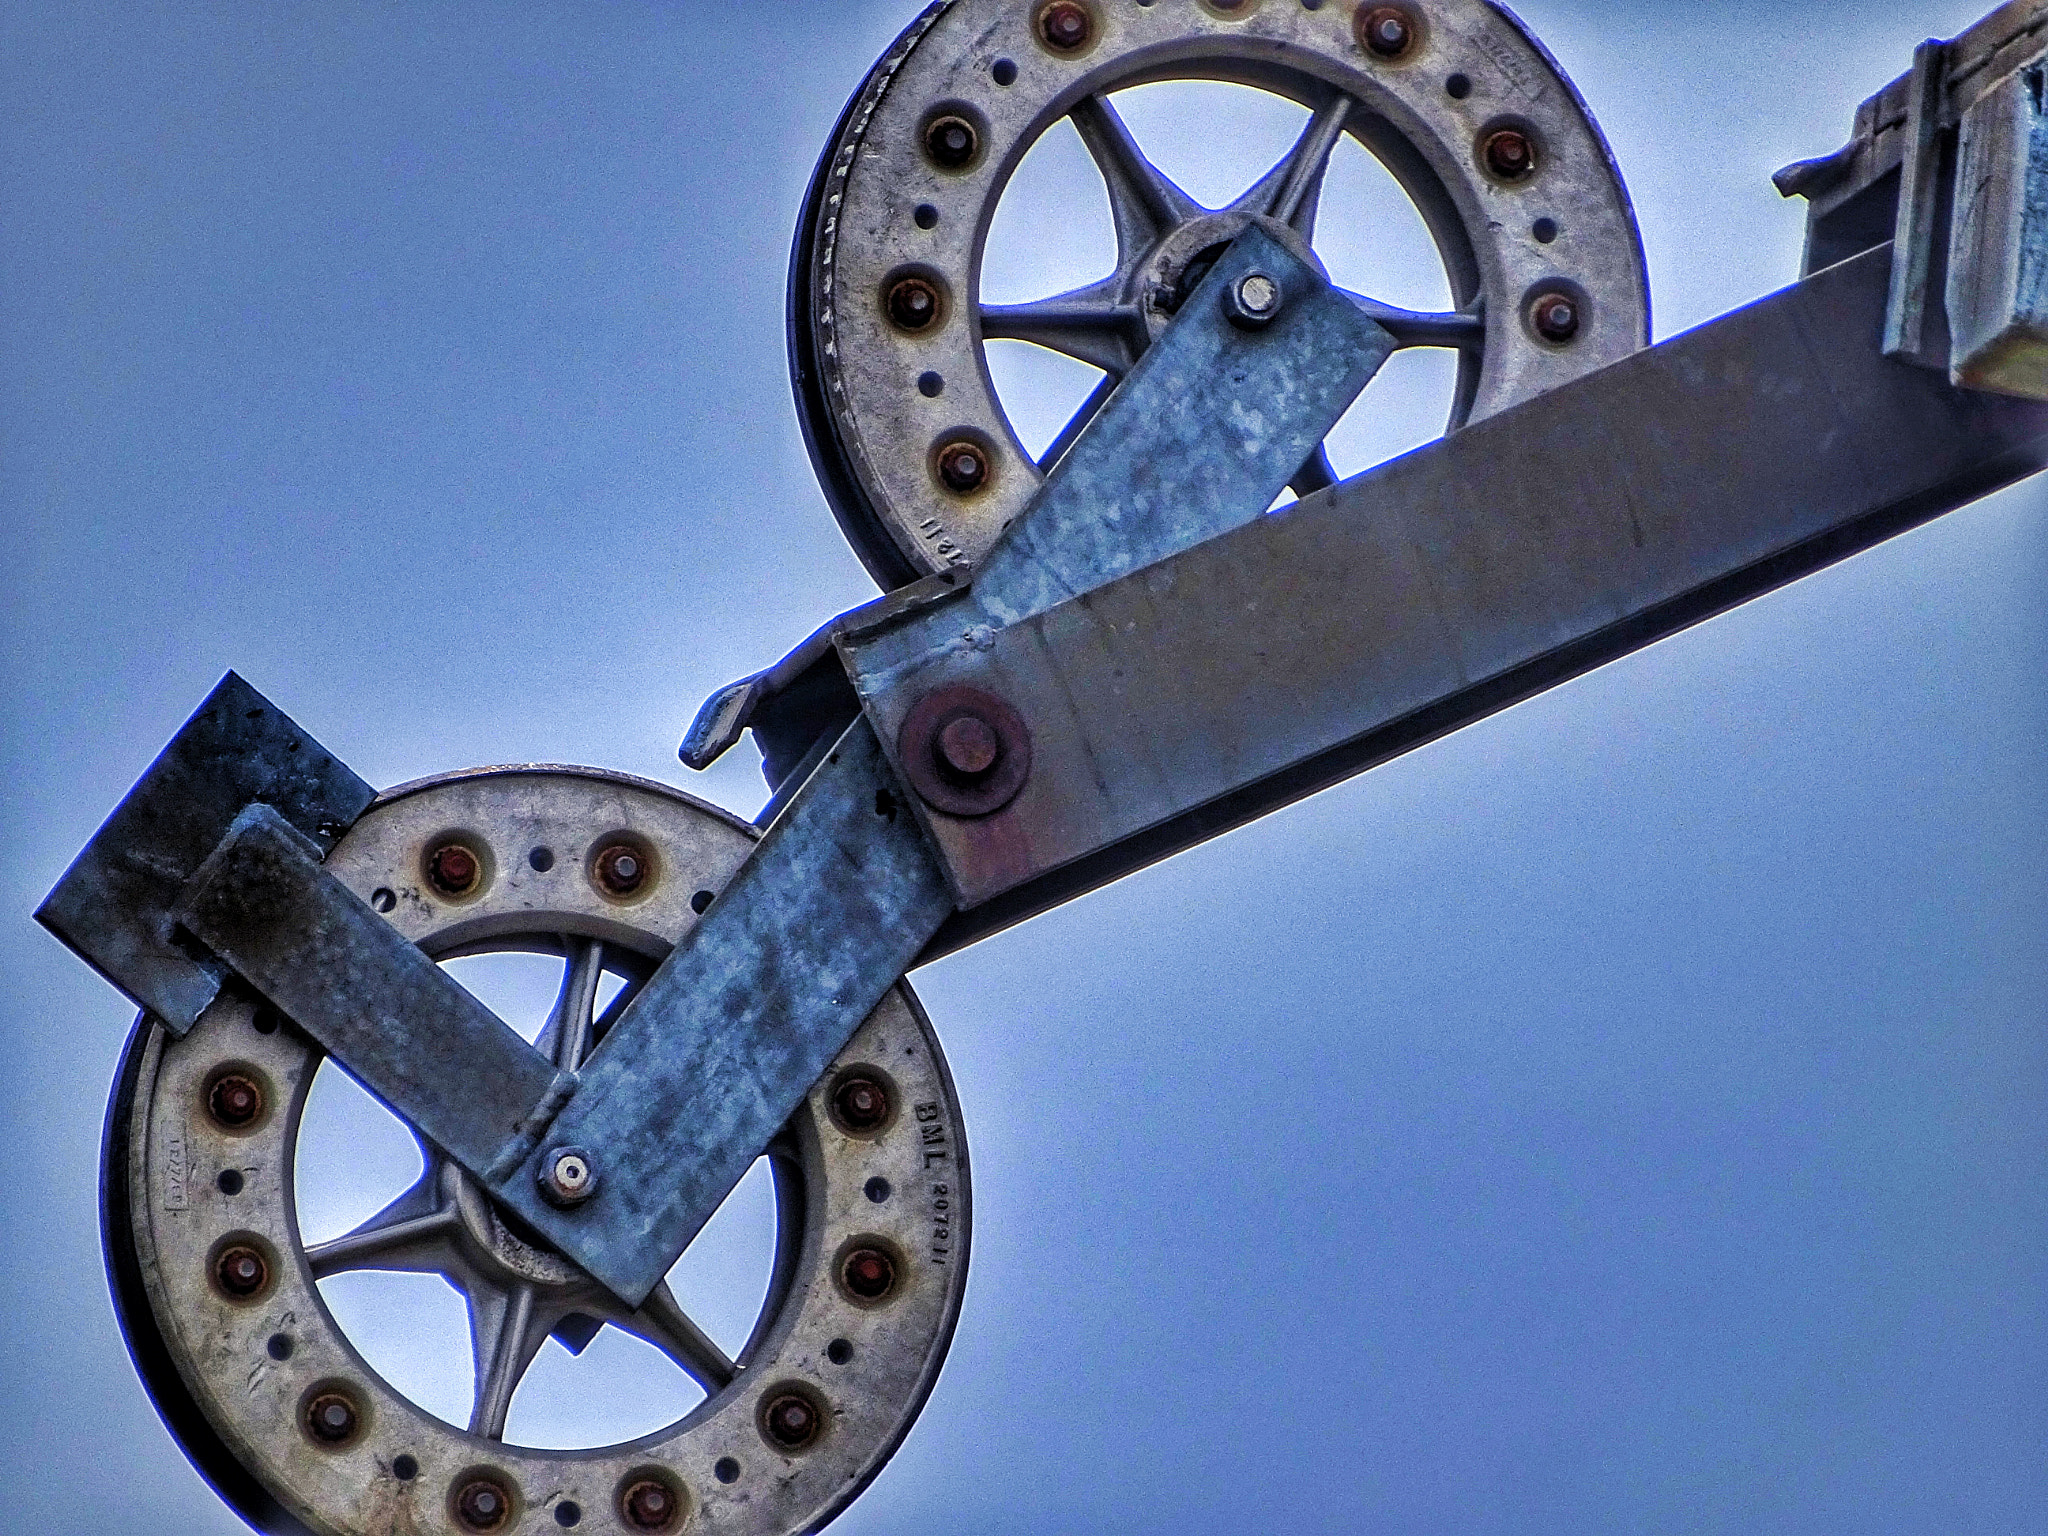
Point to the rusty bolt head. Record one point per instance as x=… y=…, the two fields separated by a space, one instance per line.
x=454 y=870
x=868 y=1273
x=1510 y=154
x=1556 y=317
x=791 y=1420
x=567 y=1176
x=1387 y=31
x=648 y=1505
x=1066 y=26
x=913 y=303
x=482 y=1504
x=951 y=143
x=963 y=468
x=860 y=1104
x=241 y=1272
x=235 y=1101
x=332 y=1418
x=621 y=869
x=966 y=748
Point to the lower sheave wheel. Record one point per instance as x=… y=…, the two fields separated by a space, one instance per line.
x=221 y=1297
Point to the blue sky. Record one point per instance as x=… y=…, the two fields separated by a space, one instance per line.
x=1629 y=1114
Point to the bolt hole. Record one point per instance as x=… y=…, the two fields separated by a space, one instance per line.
x=877 y=1189
x=1311 y=5
x=278 y=1346
x=1458 y=87
x=926 y=216
x=541 y=859
x=726 y=1470
x=931 y=385
x=229 y=1182
x=383 y=899
x=1005 y=72
x=839 y=1351
x=266 y=1019
x=1545 y=230
x=568 y=1512
x=700 y=902
x=404 y=1467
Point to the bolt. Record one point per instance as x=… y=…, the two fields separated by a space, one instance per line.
x=1387 y=31
x=1065 y=25
x=621 y=869
x=648 y=1505
x=913 y=303
x=235 y=1101
x=1555 y=316
x=963 y=467
x=791 y=1421
x=868 y=1273
x=951 y=142
x=1252 y=302
x=1510 y=154
x=966 y=747
x=331 y=1418
x=241 y=1272
x=454 y=870
x=567 y=1176
x=861 y=1103
x=482 y=1504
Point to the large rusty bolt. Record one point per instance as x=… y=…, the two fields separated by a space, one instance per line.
x=482 y=1504
x=1556 y=317
x=967 y=748
x=332 y=1418
x=649 y=1505
x=241 y=1272
x=951 y=142
x=964 y=751
x=1387 y=31
x=1510 y=154
x=621 y=869
x=235 y=1101
x=454 y=869
x=913 y=303
x=860 y=1104
x=963 y=467
x=868 y=1273
x=791 y=1421
x=1066 y=26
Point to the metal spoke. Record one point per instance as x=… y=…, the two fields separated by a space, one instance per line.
x=1145 y=204
x=575 y=1007
x=1098 y=397
x=1291 y=190
x=1093 y=325
x=504 y=1337
x=662 y=1322
x=408 y=1235
x=1425 y=328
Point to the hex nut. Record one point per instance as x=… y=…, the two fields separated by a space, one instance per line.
x=1555 y=317
x=482 y=1503
x=568 y=1176
x=913 y=303
x=235 y=1101
x=951 y=142
x=868 y=1274
x=648 y=1503
x=1509 y=154
x=962 y=467
x=453 y=869
x=331 y=1418
x=1065 y=26
x=621 y=869
x=860 y=1103
x=241 y=1272
x=1387 y=31
x=790 y=1420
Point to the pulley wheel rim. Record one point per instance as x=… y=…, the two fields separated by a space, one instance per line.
x=865 y=1365
x=879 y=209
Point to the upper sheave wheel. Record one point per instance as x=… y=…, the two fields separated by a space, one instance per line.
x=221 y=1292
x=1471 y=116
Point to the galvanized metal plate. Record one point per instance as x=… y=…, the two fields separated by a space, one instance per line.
x=880 y=207
x=212 y=1359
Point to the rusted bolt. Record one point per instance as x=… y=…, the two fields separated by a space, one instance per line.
x=567 y=1176
x=241 y=1272
x=648 y=1505
x=963 y=467
x=964 y=750
x=790 y=1420
x=1387 y=31
x=913 y=303
x=454 y=870
x=951 y=142
x=332 y=1418
x=1510 y=154
x=1555 y=316
x=621 y=869
x=1065 y=25
x=868 y=1273
x=482 y=1504
x=860 y=1104
x=235 y=1101
x=967 y=747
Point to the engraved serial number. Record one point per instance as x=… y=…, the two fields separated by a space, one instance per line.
x=931 y=1137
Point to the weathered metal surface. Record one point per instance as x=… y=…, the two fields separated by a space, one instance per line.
x=113 y=905
x=404 y=1028
x=1998 y=255
x=1263 y=665
x=876 y=394
x=1914 y=328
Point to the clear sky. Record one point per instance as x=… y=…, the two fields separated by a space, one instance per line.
x=1627 y=1115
